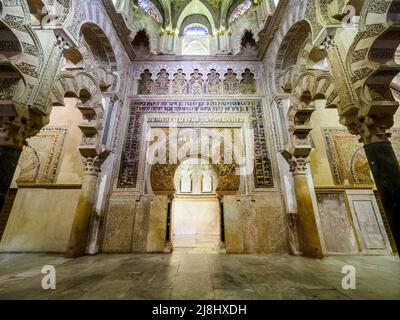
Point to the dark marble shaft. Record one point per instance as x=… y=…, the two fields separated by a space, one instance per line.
x=8 y=163
x=386 y=171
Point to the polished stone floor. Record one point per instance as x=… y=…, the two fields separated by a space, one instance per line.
x=198 y=276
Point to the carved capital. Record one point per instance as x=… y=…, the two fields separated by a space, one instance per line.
x=13 y=132
x=298 y=165
x=372 y=129
x=92 y=165
x=61 y=43
x=329 y=43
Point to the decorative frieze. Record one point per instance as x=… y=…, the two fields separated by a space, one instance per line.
x=197 y=83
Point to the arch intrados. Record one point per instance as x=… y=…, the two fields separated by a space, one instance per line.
x=99 y=44
x=298 y=32
x=7 y=35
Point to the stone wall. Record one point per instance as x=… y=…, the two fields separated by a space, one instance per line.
x=49 y=177
x=255 y=224
x=135 y=224
x=40 y=221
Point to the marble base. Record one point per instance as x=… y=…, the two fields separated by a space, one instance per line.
x=368 y=223
x=255 y=224
x=252 y=224
x=135 y=224
x=40 y=220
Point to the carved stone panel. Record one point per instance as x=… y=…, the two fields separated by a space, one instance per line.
x=162 y=83
x=145 y=83
x=368 y=222
x=196 y=83
x=231 y=83
x=336 y=225
x=248 y=84
x=213 y=84
x=179 y=83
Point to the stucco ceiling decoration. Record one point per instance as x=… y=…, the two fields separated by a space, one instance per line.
x=171 y=13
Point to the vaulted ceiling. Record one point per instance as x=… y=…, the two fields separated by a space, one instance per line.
x=216 y=11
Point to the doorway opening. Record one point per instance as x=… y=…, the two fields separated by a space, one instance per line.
x=196 y=216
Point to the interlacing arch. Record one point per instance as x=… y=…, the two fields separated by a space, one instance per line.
x=311 y=86
x=28 y=60
x=140 y=25
x=371 y=55
x=83 y=86
x=74 y=82
x=320 y=85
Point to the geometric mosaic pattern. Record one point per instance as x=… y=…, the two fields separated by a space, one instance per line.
x=347 y=157
x=40 y=160
x=129 y=166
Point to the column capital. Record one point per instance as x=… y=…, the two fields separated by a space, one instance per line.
x=298 y=165
x=61 y=42
x=92 y=165
x=372 y=128
x=329 y=43
x=13 y=132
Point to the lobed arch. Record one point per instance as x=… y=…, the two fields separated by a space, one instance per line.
x=82 y=86
x=204 y=164
x=238 y=32
x=309 y=87
x=151 y=32
x=319 y=85
x=74 y=83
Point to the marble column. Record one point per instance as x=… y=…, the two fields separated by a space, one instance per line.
x=80 y=228
x=385 y=169
x=311 y=241
x=9 y=157
x=371 y=126
x=13 y=133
